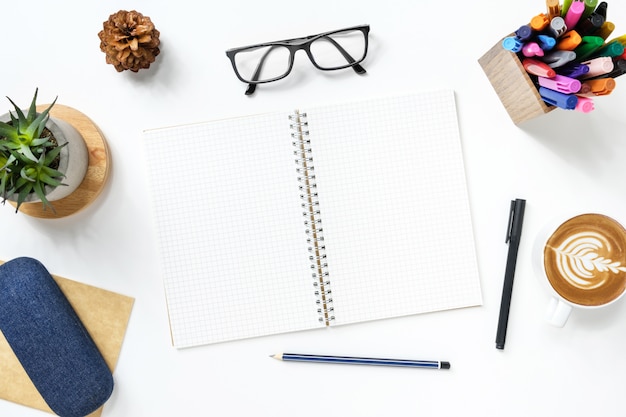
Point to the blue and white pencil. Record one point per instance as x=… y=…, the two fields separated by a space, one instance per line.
x=361 y=361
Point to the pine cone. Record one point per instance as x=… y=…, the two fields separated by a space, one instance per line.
x=129 y=40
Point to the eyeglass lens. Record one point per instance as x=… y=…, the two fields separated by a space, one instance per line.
x=339 y=50
x=336 y=50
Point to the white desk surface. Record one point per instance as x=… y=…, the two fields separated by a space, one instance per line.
x=560 y=162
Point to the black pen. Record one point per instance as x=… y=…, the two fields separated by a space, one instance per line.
x=513 y=235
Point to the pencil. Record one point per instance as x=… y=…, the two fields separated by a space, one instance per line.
x=361 y=361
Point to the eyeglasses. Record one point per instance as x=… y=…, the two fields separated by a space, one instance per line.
x=272 y=61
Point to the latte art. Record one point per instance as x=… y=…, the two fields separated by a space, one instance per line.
x=581 y=260
x=585 y=260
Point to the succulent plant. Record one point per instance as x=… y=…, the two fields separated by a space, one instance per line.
x=28 y=155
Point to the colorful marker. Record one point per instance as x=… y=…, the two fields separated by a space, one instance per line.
x=590 y=6
x=588 y=46
x=602 y=9
x=574 y=70
x=565 y=7
x=539 y=22
x=513 y=44
x=569 y=41
x=590 y=24
x=619 y=68
x=538 y=68
x=524 y=32
x=557 y=59
x=564 y=101
x=546 y=42
x=560 y=83
x=598 y=66
x=584 y=105
x=557 y=27
x=611 y=49
x=597 y=87
x=574 y=14
x=553 y=8
x=605 y=30
x=532 y=49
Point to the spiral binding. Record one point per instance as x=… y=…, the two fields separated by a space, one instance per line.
x=311 y=213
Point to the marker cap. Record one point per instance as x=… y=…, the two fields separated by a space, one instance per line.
x=546 y=42
x=590 y=6
x=539 y=22
x=574 y=70
x=532 y=49
x=513 y=44
x=574 y=13
x=557 y=26
x=588 y=46
x=569 y=41
x=599 y=66
x=619 y=68
x=524 y=32
x=557 y=59
x=561 y=83
x=554 y=8
x=601 y=9
x=584 y=105
x=605 y=30
x=591 y=24
x=555 y=98
x=611 y=49
x=598 y=87
x=535 y=67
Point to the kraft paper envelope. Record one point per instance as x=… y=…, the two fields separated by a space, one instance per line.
x=105 y=314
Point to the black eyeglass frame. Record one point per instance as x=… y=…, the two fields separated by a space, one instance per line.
x=296 y=44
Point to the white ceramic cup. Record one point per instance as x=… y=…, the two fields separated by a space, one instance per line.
x=584 y=260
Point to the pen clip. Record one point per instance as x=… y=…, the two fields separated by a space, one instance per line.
x=509 y=229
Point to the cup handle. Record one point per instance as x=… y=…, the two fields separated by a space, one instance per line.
x=558 y=312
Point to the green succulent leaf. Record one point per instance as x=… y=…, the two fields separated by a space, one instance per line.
x=50 y=180
x=41 y=142
x=25 y=150
x=53 y=153
x=26 y=157
x=8 y=131
x=32 y=110
x=21 y=119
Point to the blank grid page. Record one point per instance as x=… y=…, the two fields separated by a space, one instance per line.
x=230 y=229
x=394 y=206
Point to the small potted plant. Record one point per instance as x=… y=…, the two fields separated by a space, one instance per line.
x=41 y=158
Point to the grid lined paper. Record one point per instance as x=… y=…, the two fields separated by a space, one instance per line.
x=394 y=210
x=394 y=206
x=230 y=229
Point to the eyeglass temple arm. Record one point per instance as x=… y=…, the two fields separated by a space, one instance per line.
x=252 y=87
x=357 y=67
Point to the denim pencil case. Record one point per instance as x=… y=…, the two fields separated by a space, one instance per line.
x=50 y=341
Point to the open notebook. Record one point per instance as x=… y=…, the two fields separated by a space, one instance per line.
x=324 y=216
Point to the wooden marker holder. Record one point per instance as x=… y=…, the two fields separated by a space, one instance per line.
x=513 y=85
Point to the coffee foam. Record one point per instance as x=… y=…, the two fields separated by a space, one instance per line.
x=585 y=259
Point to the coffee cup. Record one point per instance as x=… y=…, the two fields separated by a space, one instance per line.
x=582 y=261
